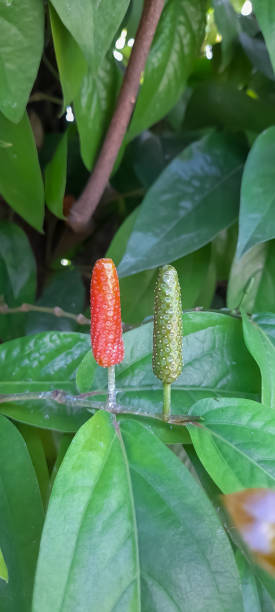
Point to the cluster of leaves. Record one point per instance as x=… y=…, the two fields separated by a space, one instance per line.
x=130 y=525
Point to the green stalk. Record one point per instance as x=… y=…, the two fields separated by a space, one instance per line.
x=166 y=411
x=111 y=385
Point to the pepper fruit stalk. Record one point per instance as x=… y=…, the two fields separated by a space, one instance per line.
x=167 y=338
x=106 y=325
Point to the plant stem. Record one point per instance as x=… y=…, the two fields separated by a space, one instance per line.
x=166 y=401
x=85 y=206
x=111 y=386
x=56 y=311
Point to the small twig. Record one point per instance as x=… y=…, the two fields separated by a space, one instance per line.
x=85 y=206
x=40 y=96
x=56 y=311
x=50 y=67
x=62 y=397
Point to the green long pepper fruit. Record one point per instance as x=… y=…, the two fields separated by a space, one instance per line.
x=167 y=339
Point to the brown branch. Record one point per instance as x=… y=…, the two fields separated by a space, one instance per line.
x=84 y=207
x=56 y=311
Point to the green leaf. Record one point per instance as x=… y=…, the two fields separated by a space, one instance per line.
x=266 y=321
x=176 y=44
x=70 y=60
x=175 y=517
x=21 y=519
x=251 y=282
x=227 y=23
x=235 y=442
x=225 y=106
x=110 y=558
x=93 y=25
x=182 y=211
x=40 y=363
x=94 y=107
x=64 y=289
x=263 y=351
x=55 y=178
x=223 y=249
x=257 y=219
x=4 y=574
x=20 y=181
x=137 y=291
x=265 y=13
x=21 y=45
x=17 y=276
x=256 y=51
x=38 y=457
x=251 y=595
x=216 y=363
x=100 y=570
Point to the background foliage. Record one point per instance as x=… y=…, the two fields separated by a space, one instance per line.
x=194 y=186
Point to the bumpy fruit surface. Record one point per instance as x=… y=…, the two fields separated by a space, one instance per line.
x=106 y=326
x=167 y=340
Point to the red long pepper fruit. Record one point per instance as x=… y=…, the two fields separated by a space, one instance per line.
x=106 y=327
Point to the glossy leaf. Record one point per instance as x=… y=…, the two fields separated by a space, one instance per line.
x=235 y=442
x=257 y=220
x=251 y=281
x=92 y=25
x=227 y=23
x=250 y=588
x=101 y=567
x=21 y=518
x=55 y=178
x=216 y=363
x=182 y=210
x=21 y=44
x=110 y=556
x=256 y=51
x=265 y=13
x=70 y=59
x=94 y=107
x=263 y=351
x=17 y=276
x=40 y=363
x=64 y=289
x=177 y=41
x=18 y=158
x=266 y=321
x=137 y=291
x=38 y=458
x=4 y=574
x=174 y=515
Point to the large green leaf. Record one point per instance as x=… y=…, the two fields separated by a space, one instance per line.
x=195 y=197
x=38 y=457
x=55 y=178
x=228 y=26
x=70 y=59
x=257 y=218
x=265 y=13
x=93 y=25
x=40 y=363
x=266 y=321
x=153 y=501
x=216 y=363
x=137 y=291
x=21 y=44
x=263 y=351
x=251 y=281
x=17 y=276
x=89 y=549
x=20 y=180
x=176 y=44
x=250 y=588
x=94 y=106
x=64 y=289
x=21 y=519
x=235 y=442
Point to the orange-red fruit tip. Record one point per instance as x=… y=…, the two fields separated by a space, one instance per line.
x=106 y=326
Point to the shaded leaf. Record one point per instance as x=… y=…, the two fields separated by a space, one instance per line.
x=21 y=45
x=18 y=158
x=263 y=351
x=21 y=518
x=182 y=211
x=257 y=220
x=227 y=23
x=265 y=13
x=55 y=178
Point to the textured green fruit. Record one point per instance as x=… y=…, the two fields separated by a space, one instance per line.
x=167 y=340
